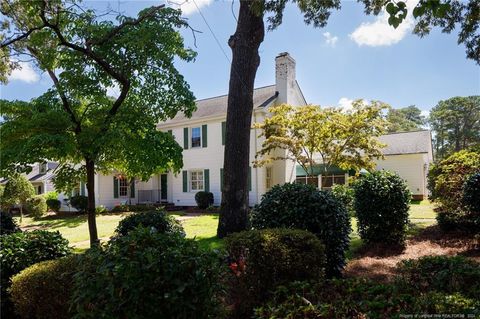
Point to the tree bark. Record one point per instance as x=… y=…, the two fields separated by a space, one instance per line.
x=245 y=61
x=92 y=223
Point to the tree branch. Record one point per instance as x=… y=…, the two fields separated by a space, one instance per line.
x=21 y=37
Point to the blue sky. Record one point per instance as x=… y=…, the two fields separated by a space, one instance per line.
x=354 y=56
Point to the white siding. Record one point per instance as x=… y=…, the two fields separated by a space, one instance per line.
x=411 y=167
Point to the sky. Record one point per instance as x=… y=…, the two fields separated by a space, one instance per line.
x=354 y=56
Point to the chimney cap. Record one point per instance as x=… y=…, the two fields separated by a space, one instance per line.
x=283 y=54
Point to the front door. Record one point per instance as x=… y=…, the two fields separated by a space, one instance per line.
x=163 y=187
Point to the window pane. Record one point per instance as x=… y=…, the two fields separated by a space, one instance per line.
x=300 y=180
x=312 y=181
x=327 y=181
x=196 y=141
x=200 y=186
x=339 y=179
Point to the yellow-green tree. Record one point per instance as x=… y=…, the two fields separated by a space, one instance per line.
x=330 y=136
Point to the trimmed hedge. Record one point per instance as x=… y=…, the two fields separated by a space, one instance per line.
x=44 y=290
x=382 y=202
x=263 y=259
x=7 y=224
x=304 y=207
x=157 y=219
x=204 y=199
x=36 y=206
x=80 y=203
x=147 y=274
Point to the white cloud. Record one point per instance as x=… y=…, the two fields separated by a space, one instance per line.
x=188 y=6
x=24 y=73
x=380 y=33
x=329 y=39
x=345 y=103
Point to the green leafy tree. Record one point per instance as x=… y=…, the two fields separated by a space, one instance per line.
x=405 y=119
x=77 y=122
x=246 y=41
x=311 y=135
x=456 y=124
x=18 y=190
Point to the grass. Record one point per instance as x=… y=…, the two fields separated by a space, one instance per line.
x=202 y=228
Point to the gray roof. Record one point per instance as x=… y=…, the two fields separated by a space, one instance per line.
x=217 y=106
x=406 y=142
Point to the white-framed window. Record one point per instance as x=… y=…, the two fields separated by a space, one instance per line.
x=330 y=180
x=269 y=177
x=196 y=139
x=122 y=187
x=311 y=180
x=43 y=168
x=196 y=180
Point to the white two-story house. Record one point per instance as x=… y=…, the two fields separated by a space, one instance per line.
x=203 y=140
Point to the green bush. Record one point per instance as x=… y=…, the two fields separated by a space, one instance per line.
x=23 y=249
x=156 y=219
x=43 y=290
x=7 y=224
x=148 y=275
x=304 y=207
x=471 y=193
x=346 y=195
x=80 y=203
x=101 y=209
x=132 y=208
x=264 y=259
x=441 y=274
x=50 y=195
x=204 y=199
x=382 y=202
x=54 y=204
x=359 y=298
x=36 y=206
x=446 y=182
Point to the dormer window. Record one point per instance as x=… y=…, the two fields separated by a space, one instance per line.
x=43 y=168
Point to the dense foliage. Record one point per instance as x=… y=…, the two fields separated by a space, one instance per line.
x=147 y=274
x=446 y=182
x=16 y=192
x=471 y=193
x=204 y=199
x=304 y=207
x=405 y=119
x=44 y=290
x=155 y=219
x=382 y=202
x=264 y=259
x=360 y=298
x=442 y=274
x=7 y=224
x=54 y=204
x=23 y=249
x=79 y=202
x=36 y=206
x=346 y=195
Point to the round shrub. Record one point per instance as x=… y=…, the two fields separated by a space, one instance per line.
x=471 y=193
x=54 y=204
x=79 y=202
x=148 y=275
x=7 y=224
x=156 y=219
x=346 y=195
x=204 y=199
x=37 y=206
x=23 y=249
x=442 y=274
x=43 y=290
x=382 y=202
x=264 y=259
x=304 y=207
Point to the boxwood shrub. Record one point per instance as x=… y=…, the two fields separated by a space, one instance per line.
x=54 y=204
x=80 y=203
x=7 y=224
x=156 y=219
x=147 y=274
x=304 y=207
x=36 y=206
x=44 y=290
x=204 y=199
x=382 y=202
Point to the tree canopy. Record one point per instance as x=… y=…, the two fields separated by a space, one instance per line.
x=77 y=122
x=455 y=123
x=313 y=135
x=405 y=119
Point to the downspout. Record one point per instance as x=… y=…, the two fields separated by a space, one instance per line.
x=256 y=168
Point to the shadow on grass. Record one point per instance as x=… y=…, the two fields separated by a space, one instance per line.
x=54 y=221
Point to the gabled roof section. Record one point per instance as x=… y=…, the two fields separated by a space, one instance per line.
x=406 y=142
x=217 y=106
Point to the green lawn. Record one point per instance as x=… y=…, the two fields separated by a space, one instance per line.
x=202 y=228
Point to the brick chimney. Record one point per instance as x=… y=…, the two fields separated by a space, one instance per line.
x=285 y=77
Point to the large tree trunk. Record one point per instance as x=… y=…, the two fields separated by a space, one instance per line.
x=245 y=61
x=92 y=224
